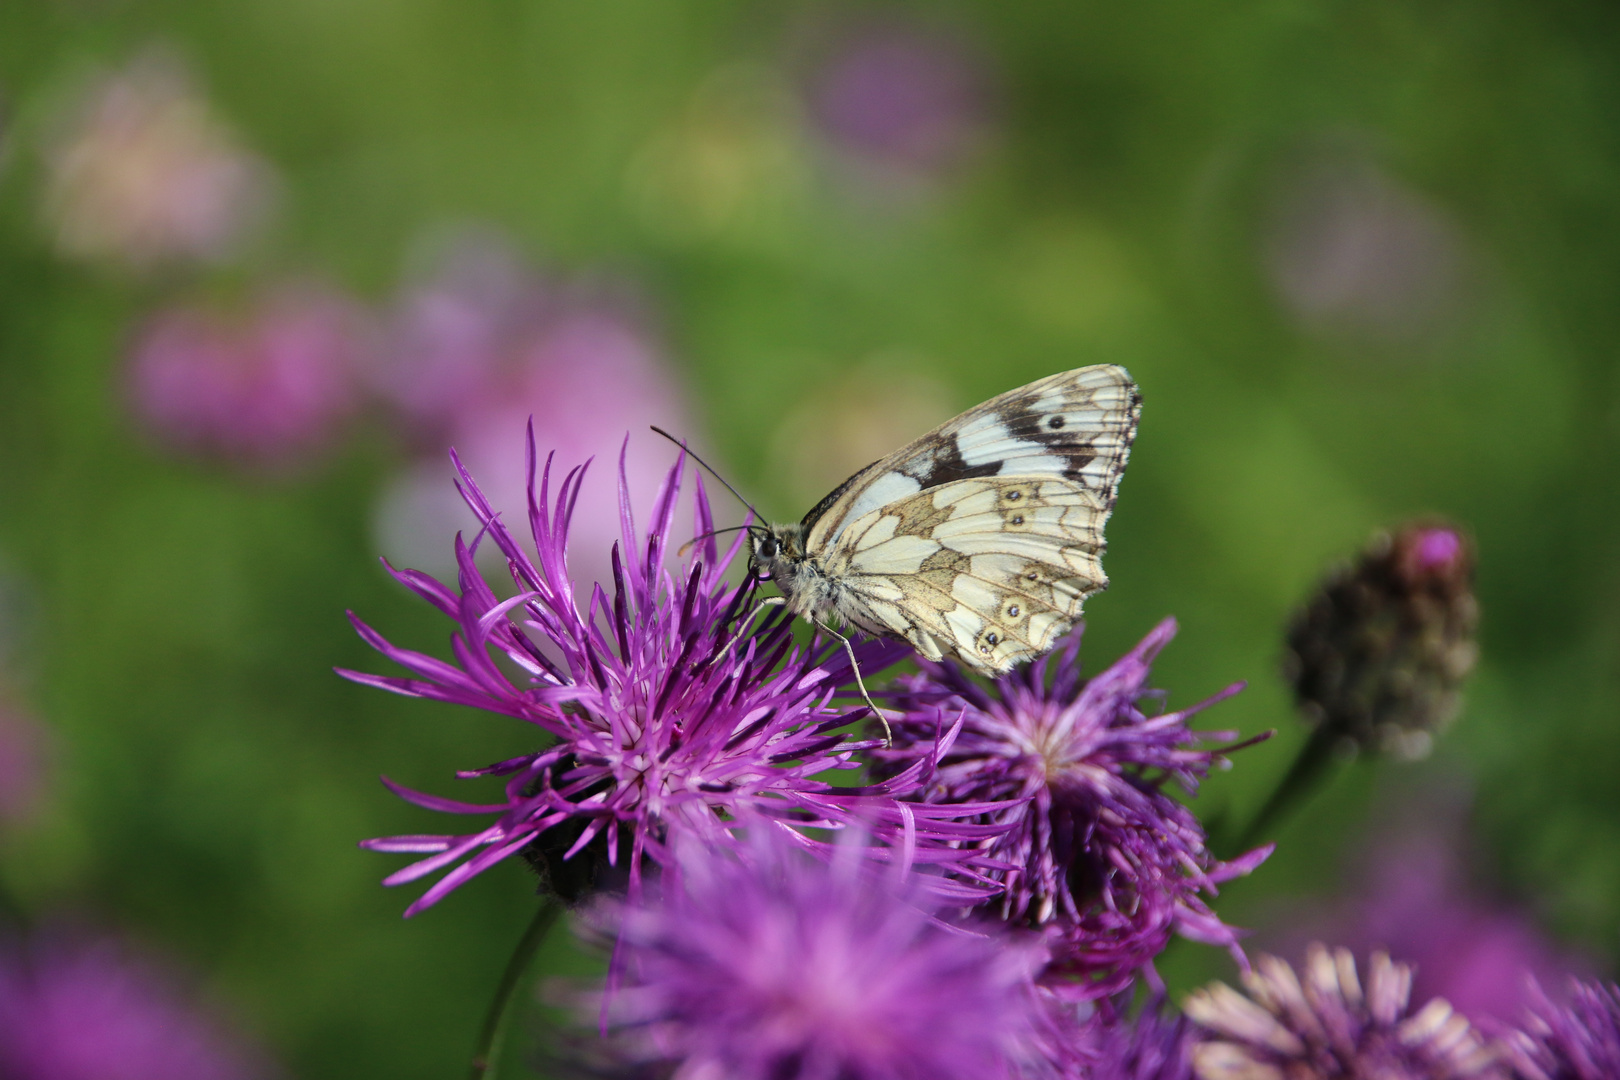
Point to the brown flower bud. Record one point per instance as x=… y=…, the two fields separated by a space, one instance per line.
x=1379 y=654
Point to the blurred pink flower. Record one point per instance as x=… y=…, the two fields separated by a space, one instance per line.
x=458 y=333
x=23 y=764
x=1410 y=895
x=266 y=386
x=143 y=173
x=74 y=1009
x=1351 y=249
x=909 y=99
x=481 y=348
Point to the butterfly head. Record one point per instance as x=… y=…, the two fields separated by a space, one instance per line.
x=778 y=550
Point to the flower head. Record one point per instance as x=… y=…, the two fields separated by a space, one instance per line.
x=667 y=717
x=86 y=1010
x=1378 y=655
x=266 y=387
x=1578 y=1041
x=1154 y=1046
x=776 y=966
x=1093 y=846
x=1327 y=1026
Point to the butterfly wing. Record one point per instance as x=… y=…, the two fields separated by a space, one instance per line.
x=984 y=537
x=992 y=570
x=1076 y=424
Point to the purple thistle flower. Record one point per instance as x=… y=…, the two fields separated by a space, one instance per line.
x=776 y=966
x=1091 y=843
x=1326 y=1025
x=667 y=717
x=1579 y=1041
x=85 y=1010
x=1154 y=1046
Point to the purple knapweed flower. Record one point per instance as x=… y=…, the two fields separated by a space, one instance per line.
x=267 y=386
x=145 y=174
x=87 y=1010
x=1327 y=1025
x=1154 y=1046
x=1577 y=1041
x=771 y=965
x=1093 y=847
x=669 y=718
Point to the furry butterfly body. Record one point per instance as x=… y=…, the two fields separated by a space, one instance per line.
x=979 y=540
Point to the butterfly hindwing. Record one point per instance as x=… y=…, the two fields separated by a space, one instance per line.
x=992 y=569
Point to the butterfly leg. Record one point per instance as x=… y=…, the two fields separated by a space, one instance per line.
x=748 y=622
x=855 y=666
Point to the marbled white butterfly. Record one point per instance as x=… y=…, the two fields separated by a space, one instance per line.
x=981 y=539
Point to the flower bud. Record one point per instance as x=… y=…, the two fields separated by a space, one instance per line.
x=1379 y=654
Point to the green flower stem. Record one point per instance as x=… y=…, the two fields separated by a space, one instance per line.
x=486 y=1058
x=1313 y=765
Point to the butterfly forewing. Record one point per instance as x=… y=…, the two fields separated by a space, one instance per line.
x=1076 y=425
x=983 y=537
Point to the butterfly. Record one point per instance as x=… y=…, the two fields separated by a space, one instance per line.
x=981 y=539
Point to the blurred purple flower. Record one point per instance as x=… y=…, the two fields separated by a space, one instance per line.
x=910 y=99
x=1326 y=1025
x=1098 y=850
x=777 y=966
x=669 y=721
x=23 y=754
x=458 y=334
x=1578 y=1041
x=484 y=346
x=267 y=387
x=1413 y=899
x=1478 y=956
x=1352 y=249
x=144 y=174
x=1154 y=1046
x=87 y=1010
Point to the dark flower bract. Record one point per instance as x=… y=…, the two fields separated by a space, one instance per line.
x=1577 y=1041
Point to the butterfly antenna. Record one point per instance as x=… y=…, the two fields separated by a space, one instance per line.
x=680 y=443
x=714 y=532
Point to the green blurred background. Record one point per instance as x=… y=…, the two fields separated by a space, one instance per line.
x=1364 y=260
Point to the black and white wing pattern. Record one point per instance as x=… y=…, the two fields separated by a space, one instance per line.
x=983 y=538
